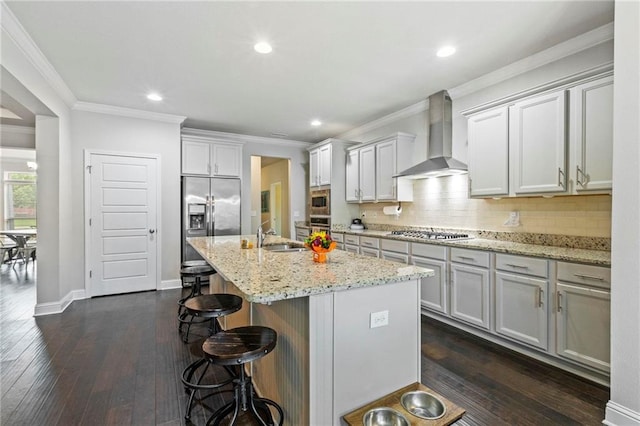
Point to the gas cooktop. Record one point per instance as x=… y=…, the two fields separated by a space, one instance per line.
x=432 y=235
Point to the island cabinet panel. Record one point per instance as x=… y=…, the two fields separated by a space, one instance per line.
x=363 y=371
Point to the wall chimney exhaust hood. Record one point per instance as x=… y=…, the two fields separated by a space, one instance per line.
x=439 y=161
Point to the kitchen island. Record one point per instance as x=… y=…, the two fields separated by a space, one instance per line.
x=348 y=330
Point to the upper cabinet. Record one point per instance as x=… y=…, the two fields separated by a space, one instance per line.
x=489 y=153
x=592 y=134
x=537 y=135
x=554 y=142
x=320 y=166
x=210 y=157
x=371 y=166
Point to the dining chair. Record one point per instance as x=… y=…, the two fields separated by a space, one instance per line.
x=8 y=248
x=26 y=251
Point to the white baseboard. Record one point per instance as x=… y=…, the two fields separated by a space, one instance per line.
x=59 y=306
x=619 y=415
x=170 y=284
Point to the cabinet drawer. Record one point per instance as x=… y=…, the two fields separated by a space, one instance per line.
x=351 y=248
x=470 y=257
x=395 y=257
x=595 y=276
x=429 y=250
x=352 y=239
x=369 y=242
x=395 y=245
x=338 y=237
x=369 y=252
x=522 y=265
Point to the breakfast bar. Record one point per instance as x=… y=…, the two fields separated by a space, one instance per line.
x=348 y=330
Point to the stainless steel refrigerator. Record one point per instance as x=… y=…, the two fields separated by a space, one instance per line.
x=210 y=206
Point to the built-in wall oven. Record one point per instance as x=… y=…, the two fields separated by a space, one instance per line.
x=320 y=223
x=320 y=202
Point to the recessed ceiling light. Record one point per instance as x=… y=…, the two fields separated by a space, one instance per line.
x=316 y=123
x=263 y=47
x=445 y=51
x=154 y=97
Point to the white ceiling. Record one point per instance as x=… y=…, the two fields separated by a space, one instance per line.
x=346 y=63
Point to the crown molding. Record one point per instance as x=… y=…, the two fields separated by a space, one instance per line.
x=554 y=53
x=22 y=130
x=416 y=108
x=128 y=112
x=240 y=138
x=13 y=29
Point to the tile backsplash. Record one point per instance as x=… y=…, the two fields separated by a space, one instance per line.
x=443 y=202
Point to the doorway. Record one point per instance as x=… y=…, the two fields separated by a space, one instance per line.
x=270 y=194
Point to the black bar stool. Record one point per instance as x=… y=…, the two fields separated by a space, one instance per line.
x=186 y=283
x=208 y=307
x=237 y=347
x=197 y=273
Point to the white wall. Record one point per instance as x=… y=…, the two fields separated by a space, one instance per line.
x=35 y=91
x=624 y=405
x=112 y=133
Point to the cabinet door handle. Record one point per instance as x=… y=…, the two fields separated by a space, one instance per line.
x=579 y=173
x=208 y=169
x=466 y=258
x=367 y=243
x=561 y=178
x=559 y=300
x=513 y=265
x=216 y=168
x=540 y=294
x=589 y=277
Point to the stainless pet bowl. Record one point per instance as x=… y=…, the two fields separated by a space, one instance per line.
x=423 y=404
x=384 y=416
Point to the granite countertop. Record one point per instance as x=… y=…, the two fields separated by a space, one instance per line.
x=266 y=276
x=591 y=257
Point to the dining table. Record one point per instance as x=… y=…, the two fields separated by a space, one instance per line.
x=20 y=236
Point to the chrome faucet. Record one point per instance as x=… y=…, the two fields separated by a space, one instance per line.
x=260 y=235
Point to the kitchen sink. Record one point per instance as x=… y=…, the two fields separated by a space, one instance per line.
x=284 y=248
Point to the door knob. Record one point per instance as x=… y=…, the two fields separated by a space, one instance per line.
x=151 y=231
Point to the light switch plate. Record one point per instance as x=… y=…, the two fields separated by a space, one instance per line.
x=379 y=319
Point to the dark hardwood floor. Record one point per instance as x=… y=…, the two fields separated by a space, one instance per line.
x=117 y=360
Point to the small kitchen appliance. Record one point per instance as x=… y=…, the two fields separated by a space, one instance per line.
x=356 y=225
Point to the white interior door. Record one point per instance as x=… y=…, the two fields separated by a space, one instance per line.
x=123 y=224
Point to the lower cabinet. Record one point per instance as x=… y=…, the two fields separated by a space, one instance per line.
x=470 y=295
x=433 y=290
x=521 y=309
x=583 y=316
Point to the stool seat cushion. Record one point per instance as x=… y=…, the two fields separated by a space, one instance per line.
x=187 y=263
x=195 y=271
x=239 y=345
x=213 y=305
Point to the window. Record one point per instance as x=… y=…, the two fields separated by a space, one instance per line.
x=20 y=200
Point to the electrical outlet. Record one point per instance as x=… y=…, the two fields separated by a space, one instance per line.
x=296 y=213
x=379 y=319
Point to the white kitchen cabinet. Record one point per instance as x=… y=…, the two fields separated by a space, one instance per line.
x=522 y=308
x=377 y=162
x=553 y=139
x=583 y=315
x=361 y=174
x=385 y=170
x=488 y=147
x=367 y=175
x=226 y=160
x=320 y=166
x=210 y=158
x=537 y=134
x=470 y=287
x=369 y=252
x=591 y=135
x=352 y=176
x=434 y=294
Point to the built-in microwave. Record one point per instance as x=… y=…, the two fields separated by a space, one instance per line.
x=321 y=202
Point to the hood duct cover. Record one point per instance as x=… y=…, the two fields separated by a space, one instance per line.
x=439 y=161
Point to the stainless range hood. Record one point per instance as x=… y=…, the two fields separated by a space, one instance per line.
x=439 y=161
